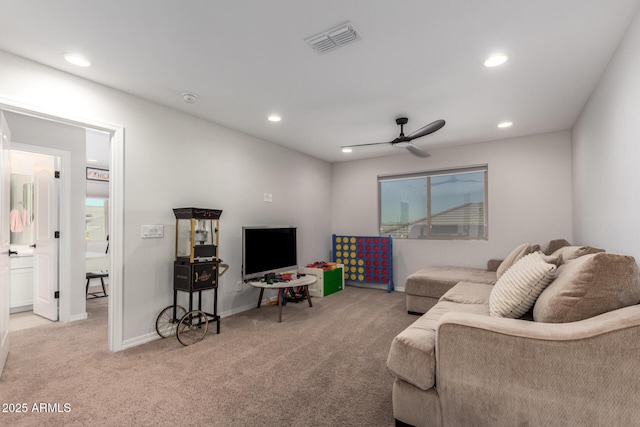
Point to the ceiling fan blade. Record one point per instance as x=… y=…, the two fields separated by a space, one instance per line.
x=416 y=151
x=426 y=130
x=364 y=145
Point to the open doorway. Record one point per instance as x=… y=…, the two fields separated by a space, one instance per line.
x=97 y=221
x=30 y=305
x=72 y=299
x=72 y=296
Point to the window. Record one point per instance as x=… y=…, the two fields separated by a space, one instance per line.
x=445 y=204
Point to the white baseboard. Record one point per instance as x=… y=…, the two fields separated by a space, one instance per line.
x=20 y=309
x=152 y=336
x=143 y=339
x=76 y=317
x=237 y=310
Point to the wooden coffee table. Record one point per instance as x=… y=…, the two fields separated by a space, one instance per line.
x=304 y=281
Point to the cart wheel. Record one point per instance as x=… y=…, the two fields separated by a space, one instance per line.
x=166 y=324
x=192 y=327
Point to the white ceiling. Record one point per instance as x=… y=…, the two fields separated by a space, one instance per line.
x=417 y=58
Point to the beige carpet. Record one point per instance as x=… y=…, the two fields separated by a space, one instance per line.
x=322 y=366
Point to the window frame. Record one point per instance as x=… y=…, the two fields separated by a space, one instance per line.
x=427 y=175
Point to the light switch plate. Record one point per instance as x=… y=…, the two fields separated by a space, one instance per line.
x=152 y=231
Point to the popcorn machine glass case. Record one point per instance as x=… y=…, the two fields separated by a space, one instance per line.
x=196 y=234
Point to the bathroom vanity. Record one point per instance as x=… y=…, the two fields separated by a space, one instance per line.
x=21 y=279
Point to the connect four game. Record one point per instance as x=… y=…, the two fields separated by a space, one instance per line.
x=366 y=259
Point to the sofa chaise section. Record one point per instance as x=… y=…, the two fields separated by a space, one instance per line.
x=425 y=287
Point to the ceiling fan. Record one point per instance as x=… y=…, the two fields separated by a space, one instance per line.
x=405 y=141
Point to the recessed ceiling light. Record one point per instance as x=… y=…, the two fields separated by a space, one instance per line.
x=347 y=150
x=274 y=118
x=77 y=60
x=495 y=60
x=505 y=124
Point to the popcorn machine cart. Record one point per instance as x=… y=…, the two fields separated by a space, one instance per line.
x=196 y=268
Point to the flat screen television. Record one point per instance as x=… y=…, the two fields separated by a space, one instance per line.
x=268 y=249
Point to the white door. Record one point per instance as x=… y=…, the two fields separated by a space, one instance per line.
x=45 y=253
x=5 y=273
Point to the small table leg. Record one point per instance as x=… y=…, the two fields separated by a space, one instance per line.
x=260 y=297
x=280 y=298
x=306 y=291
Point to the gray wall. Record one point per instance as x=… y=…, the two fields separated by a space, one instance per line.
x=606 y=150
x=173 y=160
x=529 y=199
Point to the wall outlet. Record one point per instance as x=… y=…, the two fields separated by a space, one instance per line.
x=268 y=197
x=152 y=231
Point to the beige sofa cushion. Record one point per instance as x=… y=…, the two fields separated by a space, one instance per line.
x=468 y=293
x=553 y=245
x=412 y=356
x=514 y=256
x=517 y=290
x=572 y=252
x=436 y=280
x=587 y=286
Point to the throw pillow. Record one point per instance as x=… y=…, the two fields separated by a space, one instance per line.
x=517 y=290
x=588 y=286
x=572 y=252
x=515 y=255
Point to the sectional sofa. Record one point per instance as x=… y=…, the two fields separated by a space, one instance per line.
x=551 y=337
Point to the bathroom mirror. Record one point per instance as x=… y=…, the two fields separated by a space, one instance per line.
x=21 y=213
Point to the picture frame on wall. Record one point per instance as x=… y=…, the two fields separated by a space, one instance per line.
x=97 y=174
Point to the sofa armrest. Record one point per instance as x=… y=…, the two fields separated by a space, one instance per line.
x=494 y=371
x=493 y=264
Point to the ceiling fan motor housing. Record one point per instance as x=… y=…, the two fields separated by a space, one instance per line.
x=401 y=121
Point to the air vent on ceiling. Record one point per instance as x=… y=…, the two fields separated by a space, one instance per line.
x=334 y=38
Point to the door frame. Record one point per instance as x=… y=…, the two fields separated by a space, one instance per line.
x=116 y=217
x=5 y=241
